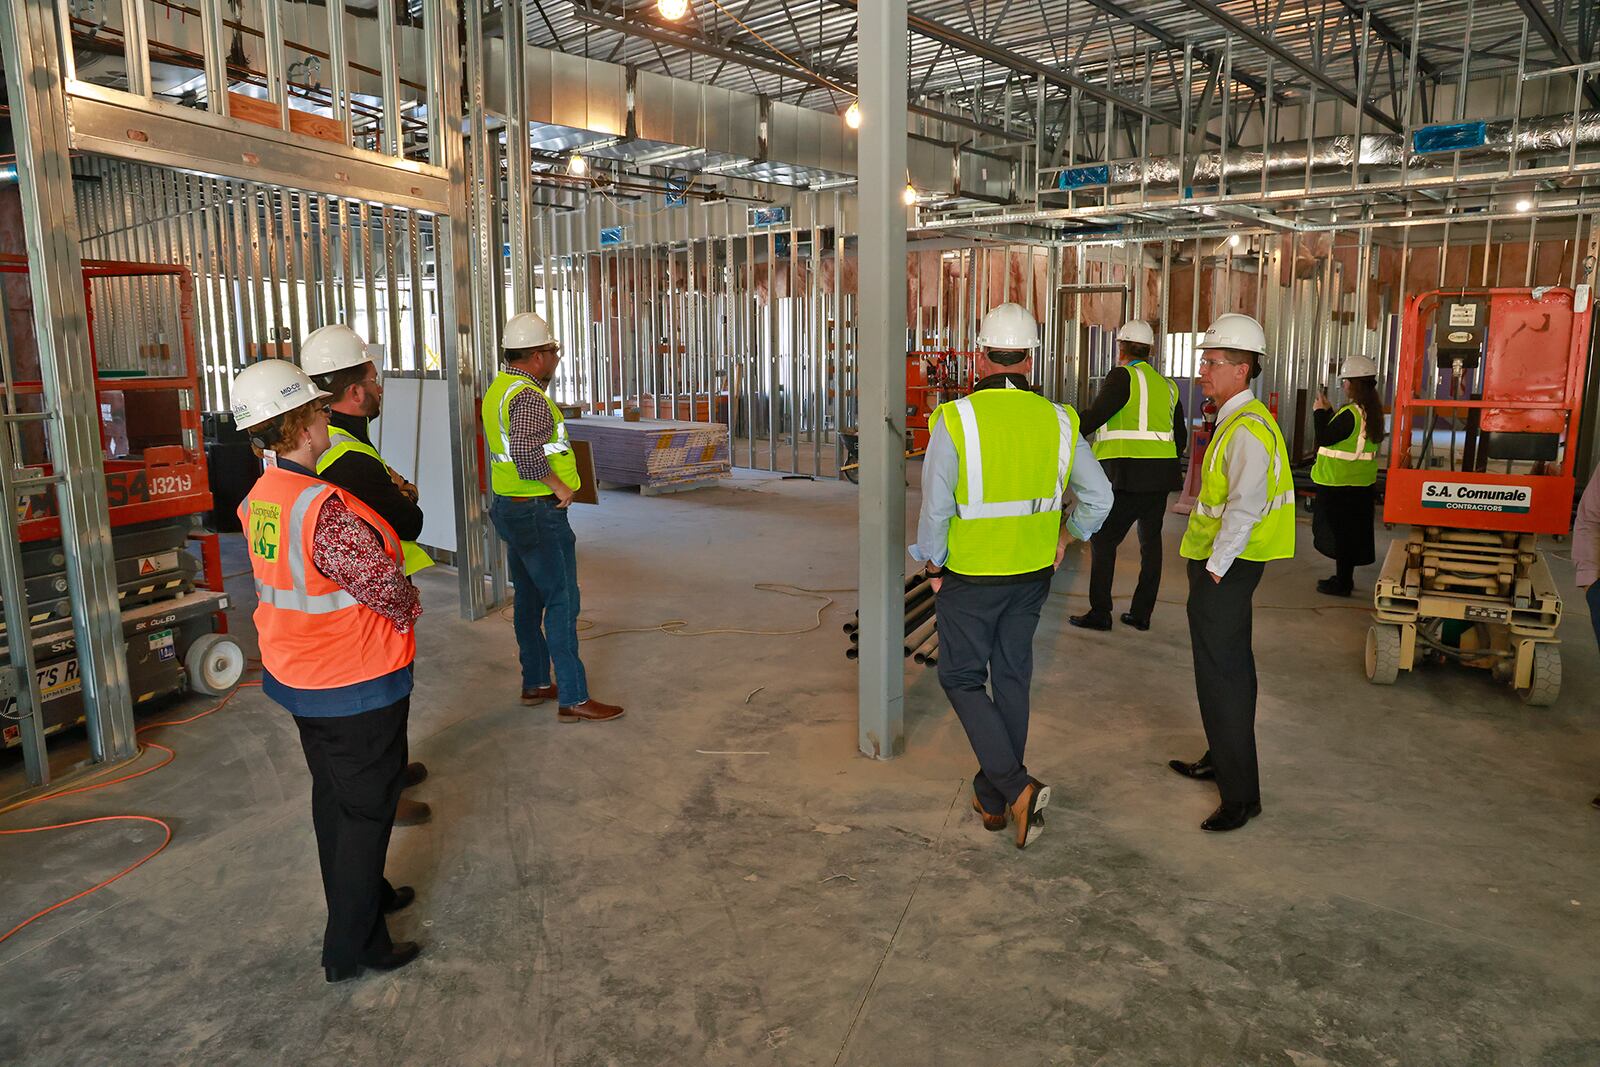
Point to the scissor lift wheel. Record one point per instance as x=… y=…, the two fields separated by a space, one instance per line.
x=215 y=664
x=1545 y=685
x=1383 y=653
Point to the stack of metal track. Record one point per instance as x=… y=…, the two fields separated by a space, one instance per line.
x=921 y=624
x=655 y=454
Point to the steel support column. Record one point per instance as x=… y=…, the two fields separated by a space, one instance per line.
x=30 y=43
x=881 y=346
x=453 y=251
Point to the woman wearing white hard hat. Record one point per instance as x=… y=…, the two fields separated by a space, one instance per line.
x=335 y=617
x=1345 y=473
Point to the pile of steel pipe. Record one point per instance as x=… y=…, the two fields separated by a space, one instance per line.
x=921 y=625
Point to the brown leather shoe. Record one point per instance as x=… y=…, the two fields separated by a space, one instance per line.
x=539 y=695
x=414 y=774
x=412 y=813
x=1027 y=814
x=993 y=823
x=590 y=710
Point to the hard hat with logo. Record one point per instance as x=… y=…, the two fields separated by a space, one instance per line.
x=525 y=330
x=1137 y=332
x=335 y=348
x=1358 y=367
x=1009 y=326
x=272 y=387
x=1239 y=332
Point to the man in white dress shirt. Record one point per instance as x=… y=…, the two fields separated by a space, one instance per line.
x=1244 y=517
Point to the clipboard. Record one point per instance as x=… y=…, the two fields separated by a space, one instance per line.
x=589 y=487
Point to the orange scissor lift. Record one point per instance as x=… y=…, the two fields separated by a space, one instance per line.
x=1488 y=400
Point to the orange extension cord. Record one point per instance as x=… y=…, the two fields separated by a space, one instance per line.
x=165 y=826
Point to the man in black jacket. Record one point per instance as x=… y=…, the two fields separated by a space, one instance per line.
x=1139 y=432
x=347 y=368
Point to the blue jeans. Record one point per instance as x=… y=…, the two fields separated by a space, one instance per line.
x=544 y=572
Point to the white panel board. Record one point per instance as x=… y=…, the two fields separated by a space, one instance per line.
x=412 y=439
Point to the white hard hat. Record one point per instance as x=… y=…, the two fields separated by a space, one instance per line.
x=335 y=348
x=1235 y=331
x=1009 y=326
x=1358 y=367
x=265 y=390
x=1137 y=332
x=525 y=330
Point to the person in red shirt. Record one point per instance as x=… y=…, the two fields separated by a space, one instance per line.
x=335 y=616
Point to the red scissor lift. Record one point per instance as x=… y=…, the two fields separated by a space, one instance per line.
x=1488 y=400
x=156 y=484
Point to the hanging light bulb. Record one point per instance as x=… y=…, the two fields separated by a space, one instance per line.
x=672 y=10
x=1234 y=241
x=852 y=115
x=910 y=195
x=1524 y=205
x=577 y=166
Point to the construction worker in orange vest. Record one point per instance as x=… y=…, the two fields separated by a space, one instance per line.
x=335 y=618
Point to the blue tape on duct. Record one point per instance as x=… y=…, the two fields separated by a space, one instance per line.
x=769 y=216
x=1078 y=177
x=1451 y=137
x=611 y=235
x=676 y=188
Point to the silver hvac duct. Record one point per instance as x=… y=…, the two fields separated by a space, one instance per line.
x=1533 y=137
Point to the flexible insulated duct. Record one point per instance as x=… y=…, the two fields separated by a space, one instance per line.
x=1326 y=154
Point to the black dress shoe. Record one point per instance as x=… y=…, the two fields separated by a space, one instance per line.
x=415 y=774
x=400 y=954
x=1200 y=768
x=1130 y=619
x=1231 y=816
x=1090 y=621
x=1596 y=800
x=1334 y=587
x=403 y=896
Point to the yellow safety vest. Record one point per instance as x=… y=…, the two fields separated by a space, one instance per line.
x=1014 y=454
x=1353 y=461
x=496 y=430
x=1142 y=428
x=1273 y=536
x=343 y=442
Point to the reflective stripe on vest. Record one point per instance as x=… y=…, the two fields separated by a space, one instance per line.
x=298 y=598
x=1143 y=427
x=345 y=441
x=1272 y=537
x=1365 y=449
x=1008 y=506
x=505 y=479
x=561 y=444
x=1350 y=462
x=973 y=458
x=314 y=634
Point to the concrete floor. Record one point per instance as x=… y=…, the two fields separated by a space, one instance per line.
x=1420 y=889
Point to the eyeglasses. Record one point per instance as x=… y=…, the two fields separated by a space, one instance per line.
x=1208 y=362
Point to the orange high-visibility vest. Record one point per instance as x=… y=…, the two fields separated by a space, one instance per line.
x=314 y=634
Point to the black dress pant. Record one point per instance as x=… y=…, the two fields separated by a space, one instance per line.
x=1148 y=510
x=1225 y=673
x=356 y=763
x=986 y=647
